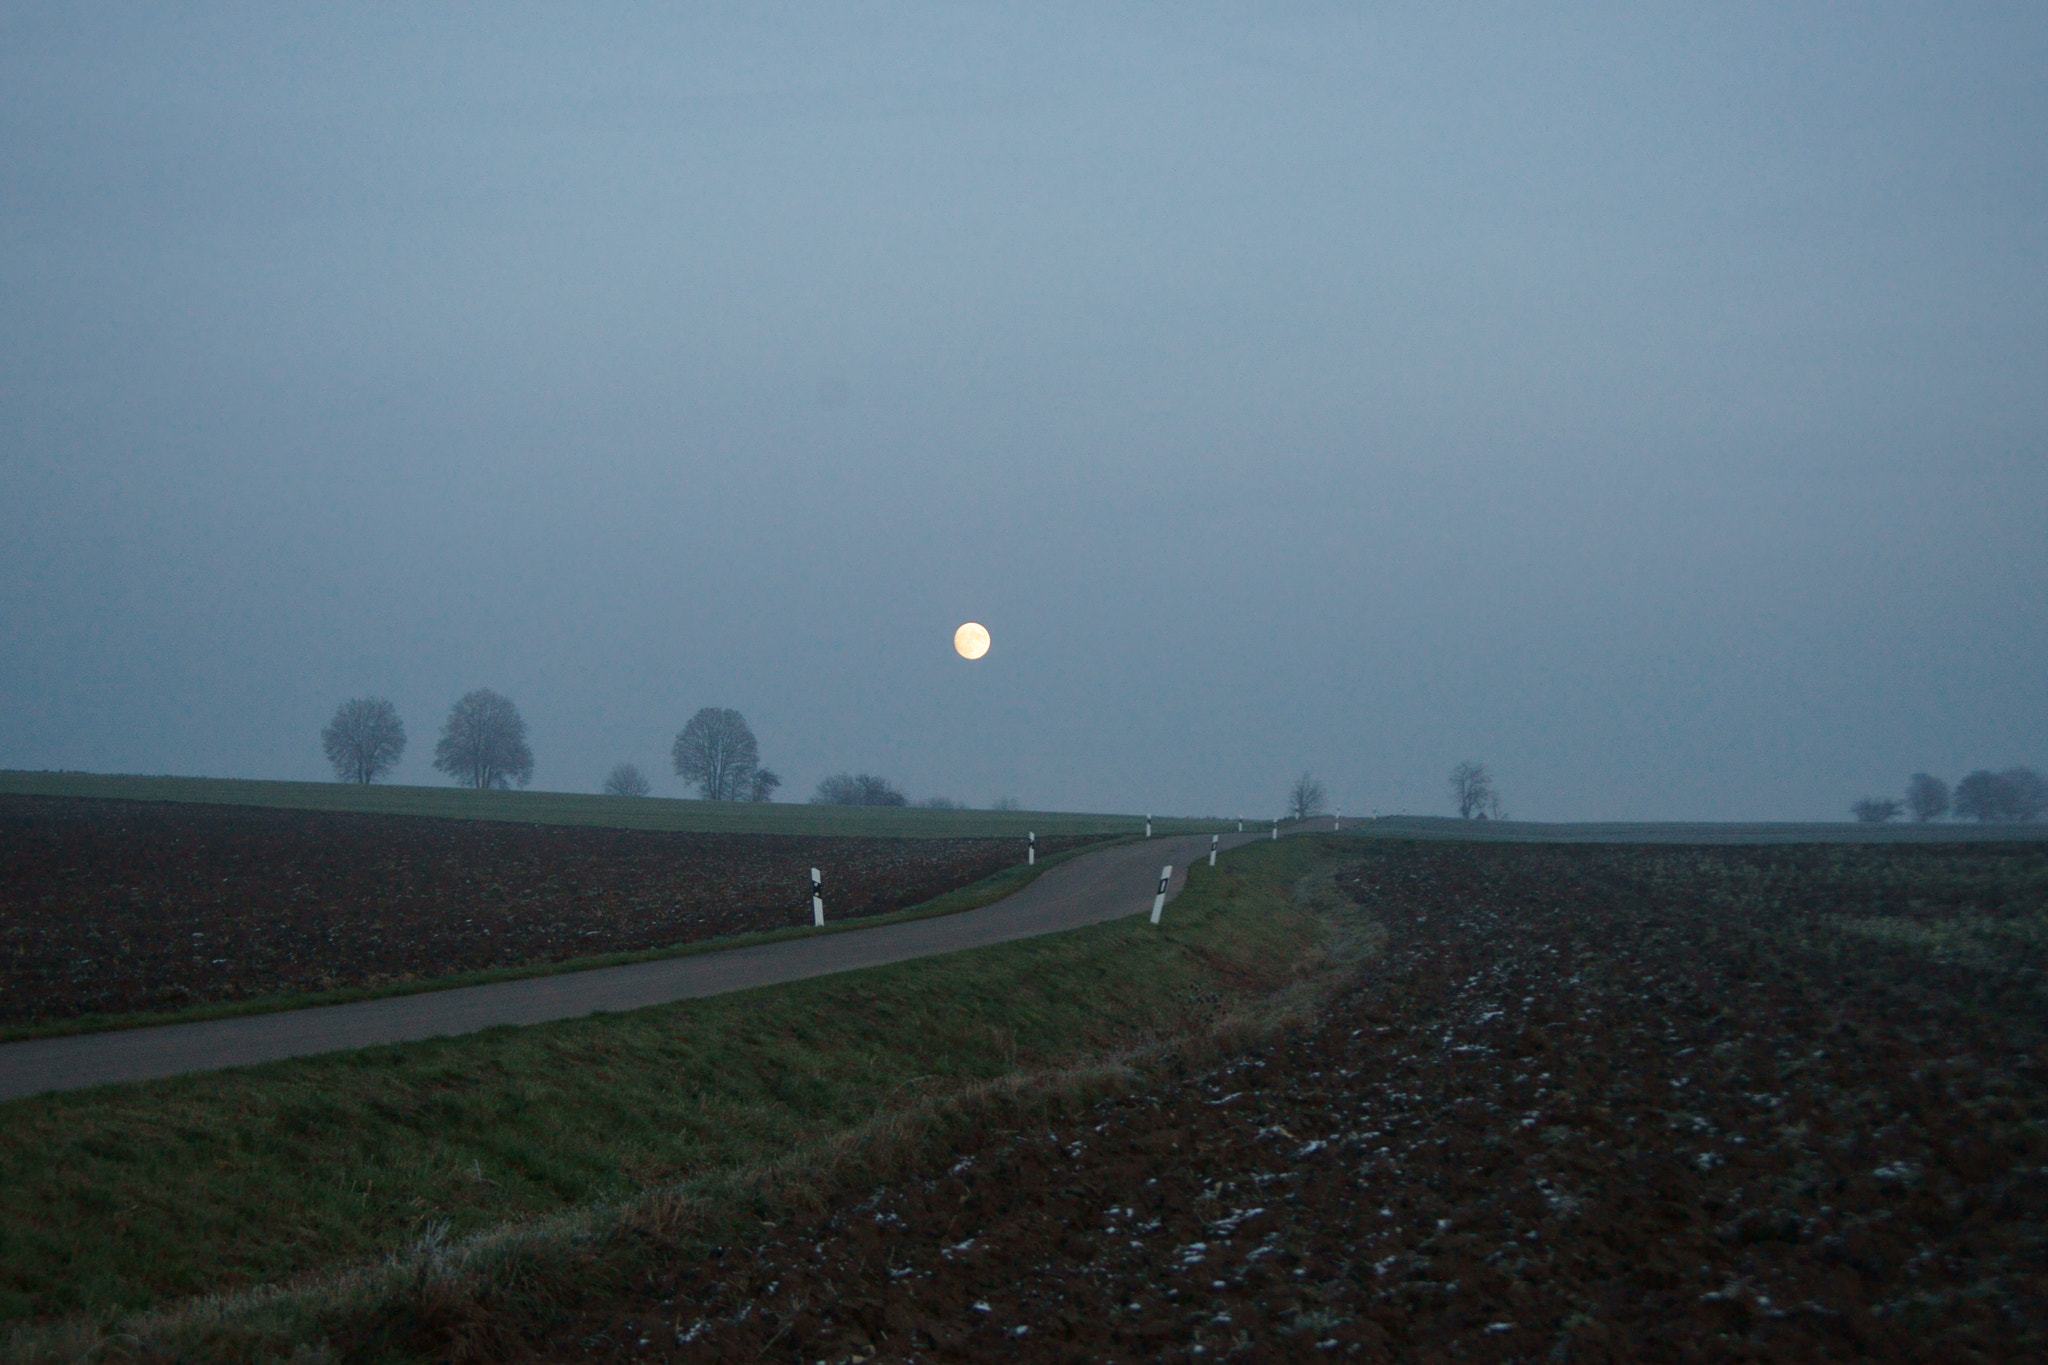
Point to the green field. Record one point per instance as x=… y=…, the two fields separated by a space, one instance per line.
x=785 y=817
x=1672 y=832
x=574 y=808
x=129 y=1197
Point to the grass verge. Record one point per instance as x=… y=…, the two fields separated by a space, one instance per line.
x=987 y=891
x=469 y=1181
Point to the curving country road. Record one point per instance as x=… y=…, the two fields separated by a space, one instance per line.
x=1087 y=890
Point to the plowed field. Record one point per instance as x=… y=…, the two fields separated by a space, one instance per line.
x=108 y=907
x=1591 y=1104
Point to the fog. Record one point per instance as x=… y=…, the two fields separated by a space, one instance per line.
x=1645 y=401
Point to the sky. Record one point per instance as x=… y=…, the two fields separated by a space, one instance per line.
x=1647 y=401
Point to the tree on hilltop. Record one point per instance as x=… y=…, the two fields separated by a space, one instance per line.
x=1306 y=798
x=1876 y=810
x=483 y=743
x=1926 y=797
x=626 y=780
x=1472 y=792
x=718 y=752
x=1980 y=797
x=364 y=740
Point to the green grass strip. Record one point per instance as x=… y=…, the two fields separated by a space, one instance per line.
x=987 y=891
x=121 y=1198
x=614 y=812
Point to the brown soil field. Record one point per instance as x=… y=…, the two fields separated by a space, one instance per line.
x=111 y=907
x=1590 y=1104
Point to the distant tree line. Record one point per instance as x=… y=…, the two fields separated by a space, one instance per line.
x=483 y=745
x=857 y=789
x=2015 y=796
x=1472 y=793
x=626 y=780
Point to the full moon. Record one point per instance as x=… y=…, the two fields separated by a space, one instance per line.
x=971 y=640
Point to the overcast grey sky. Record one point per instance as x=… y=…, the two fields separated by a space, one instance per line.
x=1646 y=400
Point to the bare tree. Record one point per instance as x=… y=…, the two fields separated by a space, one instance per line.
x=364 y=740
x=1472 y=792
x=1926 y=797
x=626 y=780
x=718 y=752
x=483 y=743
x=1306 y=798
x=1980 y=796
x=857 y=789
x=762 y=788
x=1876 y=810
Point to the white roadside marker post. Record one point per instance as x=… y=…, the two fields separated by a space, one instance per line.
x=1337 y=822
x=1212 y=848
x=1240 y=824
x=1276 y=829
x=1159 y=901
x=1148 y=827
x=817 y=897
x=1031 y=848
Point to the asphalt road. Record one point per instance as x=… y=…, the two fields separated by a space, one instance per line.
x=1086 y=890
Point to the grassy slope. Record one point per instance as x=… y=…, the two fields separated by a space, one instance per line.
x=572 y=808
x=122 y=1197
x=987 y=891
